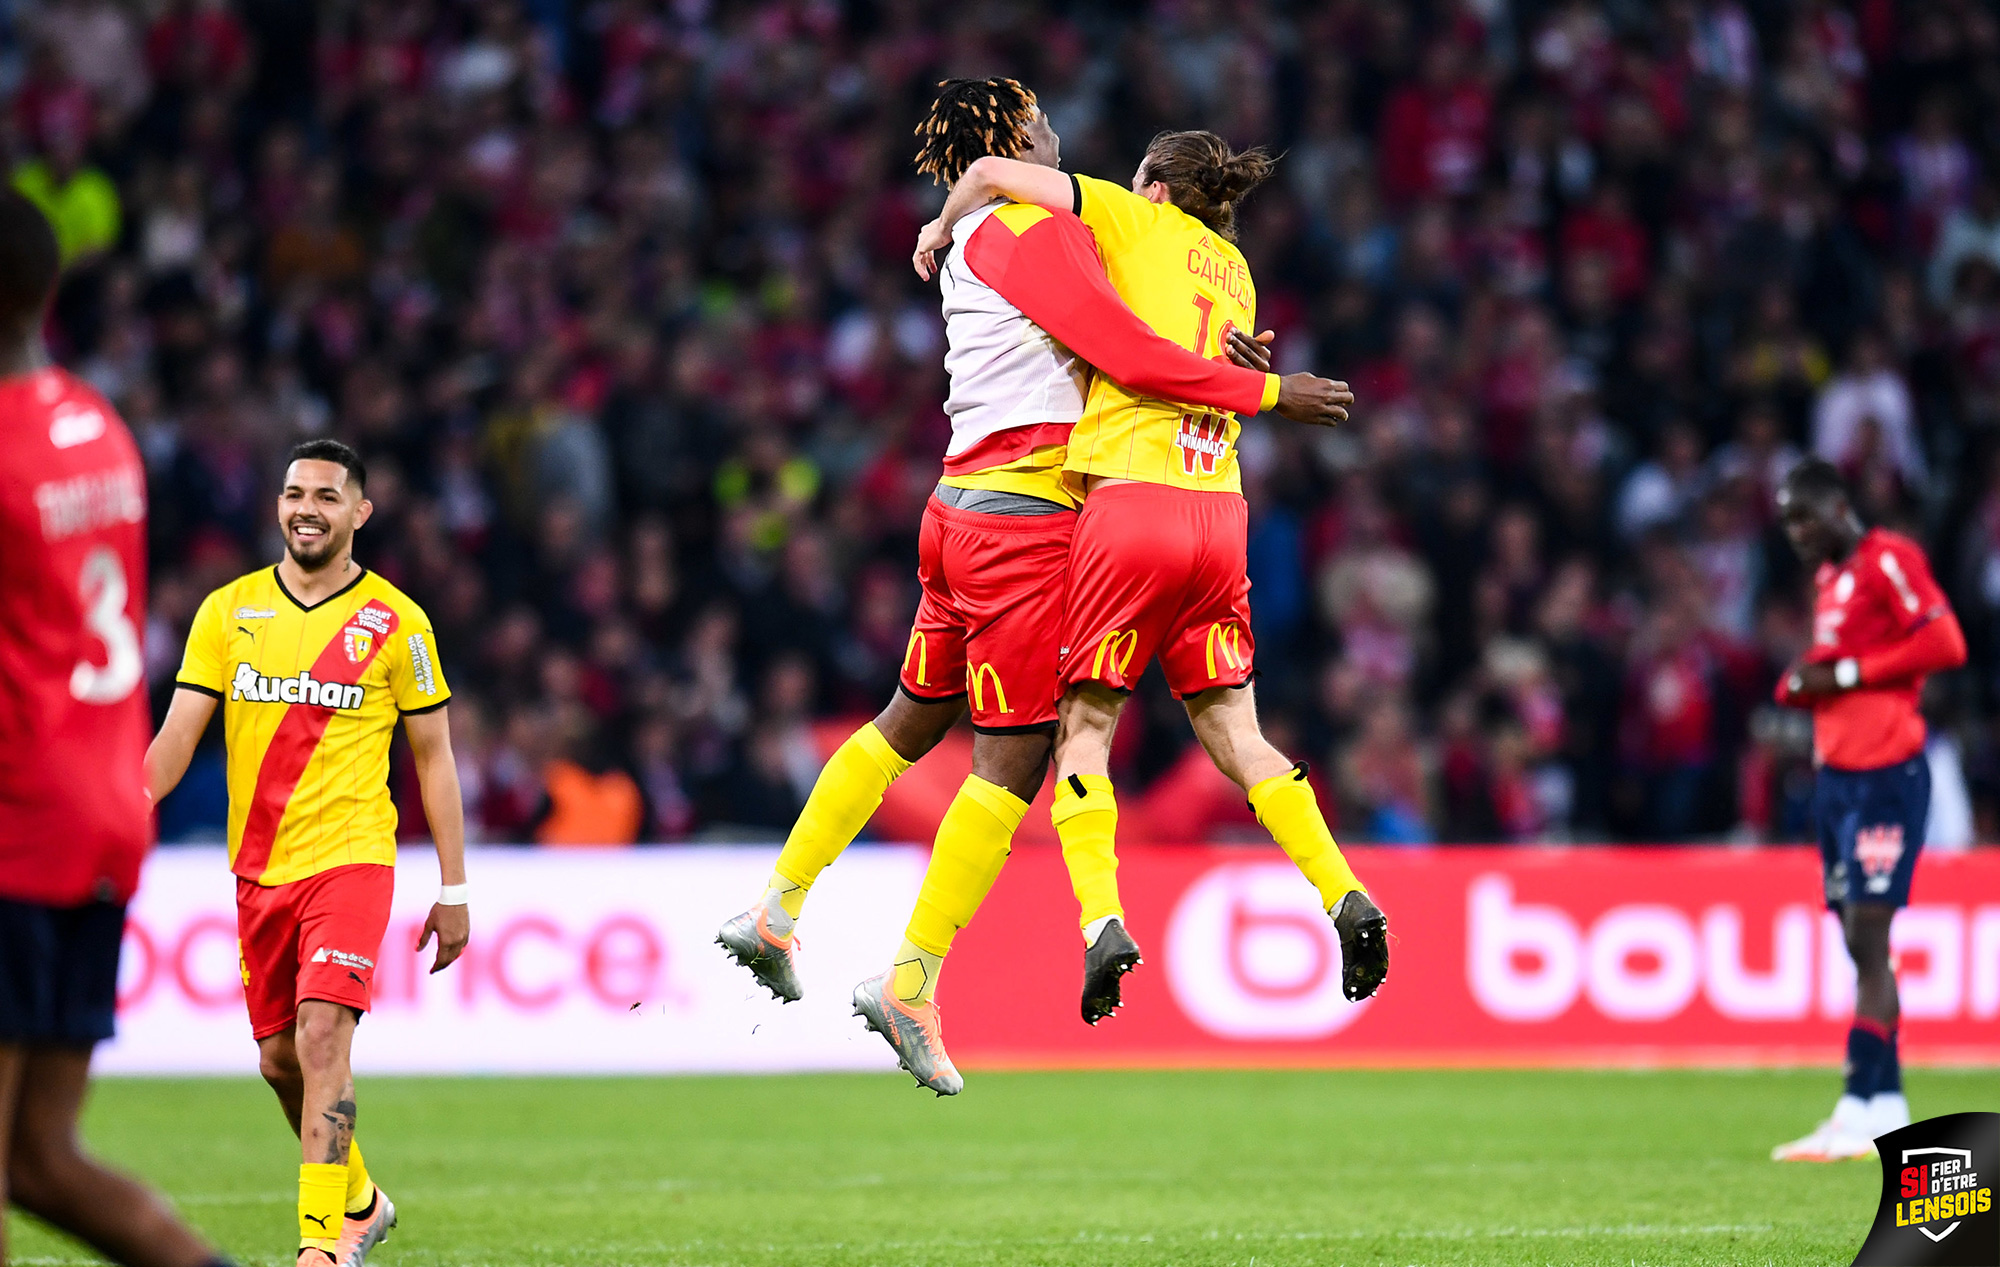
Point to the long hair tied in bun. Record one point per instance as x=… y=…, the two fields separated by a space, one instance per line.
x=1204 y=177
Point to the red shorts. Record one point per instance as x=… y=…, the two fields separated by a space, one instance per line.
x=1159 y=571
x=315 y=938
x=991 y=609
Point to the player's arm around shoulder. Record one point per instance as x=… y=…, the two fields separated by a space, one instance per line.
x=429 y=733
x=989 y=178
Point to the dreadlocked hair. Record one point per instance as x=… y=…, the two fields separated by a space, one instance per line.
x=1204 y=177
x=971 y=119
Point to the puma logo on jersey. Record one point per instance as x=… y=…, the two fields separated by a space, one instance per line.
x=300 y=688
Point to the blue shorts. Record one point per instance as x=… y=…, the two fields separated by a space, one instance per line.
x=1871 y=829
x=59 y=972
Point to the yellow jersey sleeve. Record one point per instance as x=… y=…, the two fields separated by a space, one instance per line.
x=416 y=683
x=202 y=664
x=1116 y=216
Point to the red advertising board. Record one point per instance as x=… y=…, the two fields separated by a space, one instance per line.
x=1499 y=956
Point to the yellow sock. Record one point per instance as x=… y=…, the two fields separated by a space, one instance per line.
x=322 y=1189
x=846 y=794
x=1285 y=805
x=1086 y=819
x=917 y=972
x=360 y=1189
x=972 y=845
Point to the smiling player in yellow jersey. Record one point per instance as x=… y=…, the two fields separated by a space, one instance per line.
x=313 y=662
x=1159 y=560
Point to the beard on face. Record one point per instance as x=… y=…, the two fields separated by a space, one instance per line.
x=313 y=555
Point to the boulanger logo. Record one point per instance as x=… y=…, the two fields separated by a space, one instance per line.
x=1250 y=955
x=300 y=688
x=1937 y=1196
x=976 y=676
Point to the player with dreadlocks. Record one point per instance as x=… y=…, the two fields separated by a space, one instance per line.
x=1028 y=312
x=1159 y=565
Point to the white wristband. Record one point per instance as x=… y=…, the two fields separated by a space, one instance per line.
x=1847 y=673
x=453 y=894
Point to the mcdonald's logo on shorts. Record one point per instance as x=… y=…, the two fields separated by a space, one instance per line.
x=975 y=682
x=1109 y=647
x=1227 y=637
x=918 y=649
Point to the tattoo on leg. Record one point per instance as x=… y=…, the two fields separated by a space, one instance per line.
x=341 y=1119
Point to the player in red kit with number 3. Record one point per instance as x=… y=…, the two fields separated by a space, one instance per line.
x=74 y=821
x=1880 y=626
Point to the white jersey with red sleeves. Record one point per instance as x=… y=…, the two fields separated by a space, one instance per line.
x=1014 y=389
x=74 y=820
x=1881 y=595
x=1029 y=314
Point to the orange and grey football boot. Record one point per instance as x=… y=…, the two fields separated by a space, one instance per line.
x=761 y=940
x=362 y=1232
x=914 y=1030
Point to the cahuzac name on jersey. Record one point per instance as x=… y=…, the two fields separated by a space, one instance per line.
x=300 y=688
x=1226 y=276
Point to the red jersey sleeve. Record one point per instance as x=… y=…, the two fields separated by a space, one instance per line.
x=1936 y=646
x=1902 y=576
x=1044 y=263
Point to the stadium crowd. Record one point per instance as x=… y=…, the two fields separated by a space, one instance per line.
x=615 y=298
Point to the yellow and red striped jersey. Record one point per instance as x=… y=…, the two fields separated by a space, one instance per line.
x=1191 y=286
x=310 y=698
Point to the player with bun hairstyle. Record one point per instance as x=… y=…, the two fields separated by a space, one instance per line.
x=1026 y=305
x=1159 y=564
x=1204 y=177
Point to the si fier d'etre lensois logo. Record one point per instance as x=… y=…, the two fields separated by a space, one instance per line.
x=1937 y=1207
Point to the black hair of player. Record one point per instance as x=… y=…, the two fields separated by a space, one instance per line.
x=1204 y=176
x=324 y=450
x=1817 y=479
x=30 y=261
x=971 y=119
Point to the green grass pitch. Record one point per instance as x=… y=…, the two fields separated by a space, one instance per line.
x=1265 y=1168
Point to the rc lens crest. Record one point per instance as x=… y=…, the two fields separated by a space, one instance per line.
x=358 y=642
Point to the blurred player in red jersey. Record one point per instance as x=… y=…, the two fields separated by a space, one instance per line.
x=1880 y=625
x=74 y=818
